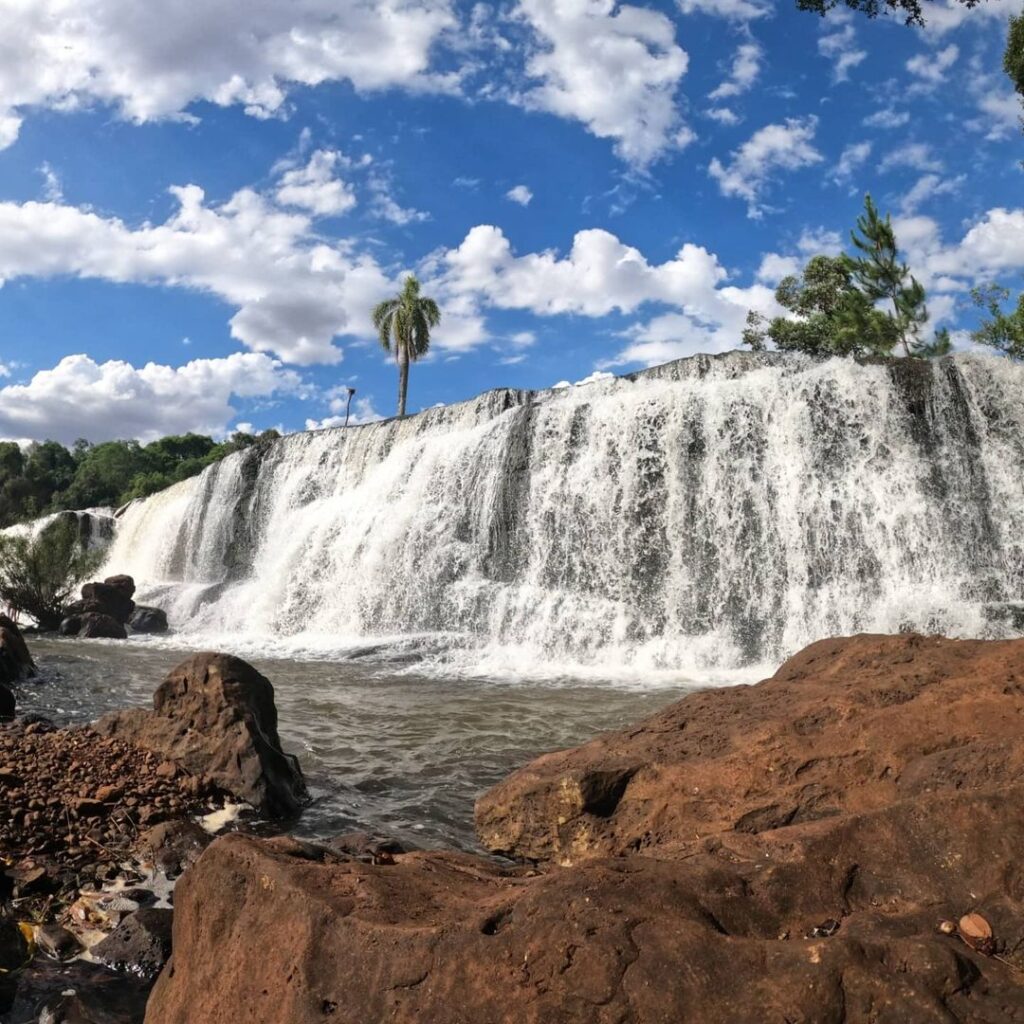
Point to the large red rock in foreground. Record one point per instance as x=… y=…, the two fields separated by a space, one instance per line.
x=901 y=756
x=847 y=726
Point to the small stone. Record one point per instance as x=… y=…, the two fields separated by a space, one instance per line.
x=977 y=933
x=57 y=942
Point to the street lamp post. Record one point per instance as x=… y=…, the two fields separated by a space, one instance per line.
x=348 y=407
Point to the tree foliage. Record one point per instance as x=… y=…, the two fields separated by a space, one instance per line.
x=41 y=575
x=48 y=477
x=861 y=305
x=403 y=325
x=912 y=11
x=1001 y=331
x=830 y=315
x=1013 y=59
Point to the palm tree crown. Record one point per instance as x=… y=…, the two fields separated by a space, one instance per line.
x=403 y=325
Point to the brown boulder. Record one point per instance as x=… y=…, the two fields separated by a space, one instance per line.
x=847 y=726
x=215 y=716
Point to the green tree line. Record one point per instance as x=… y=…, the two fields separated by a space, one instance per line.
x=47 y=477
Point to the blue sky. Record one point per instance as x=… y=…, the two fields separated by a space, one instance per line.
x=200 y=202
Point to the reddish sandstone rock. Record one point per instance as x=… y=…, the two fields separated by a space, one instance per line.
x=215 y=716
x=786 y=854
x=835 y=921
x=846 y=726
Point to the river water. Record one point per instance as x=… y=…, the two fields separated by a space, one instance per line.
x=383 y=748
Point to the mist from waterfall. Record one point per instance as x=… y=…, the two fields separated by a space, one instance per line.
x=713 y=513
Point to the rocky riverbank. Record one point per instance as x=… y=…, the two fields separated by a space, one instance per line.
x=97 y=822
x=839 y=843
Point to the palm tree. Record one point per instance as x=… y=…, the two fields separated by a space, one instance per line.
x=405 y=322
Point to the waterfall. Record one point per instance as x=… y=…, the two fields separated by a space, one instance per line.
x=715 y=512
x=95 y=527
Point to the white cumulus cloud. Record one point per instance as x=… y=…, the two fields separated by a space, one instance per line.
x=735 y=10
x=316 y=187
x=615 y=68
x=746 y=67
x=887 y=118
x=601 y=275
x=839 y=44
x=521 y=194
x=930 y=67
x=154 y=60
x=105 y=401
x=776 y=147
x=852 y=158
x=293 y=292
x=363 y=411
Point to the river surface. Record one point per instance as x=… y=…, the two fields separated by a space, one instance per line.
x=382 y=748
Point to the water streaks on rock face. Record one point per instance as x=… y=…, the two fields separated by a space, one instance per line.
x=783 y=852
x=716 y=511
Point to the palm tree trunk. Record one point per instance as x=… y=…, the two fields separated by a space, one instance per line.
x=403 y=380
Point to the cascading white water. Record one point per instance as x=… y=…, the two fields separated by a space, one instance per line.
x=714 y=512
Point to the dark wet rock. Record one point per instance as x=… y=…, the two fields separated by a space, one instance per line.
x=173 y=846
x=71 y=625
x=215 y=716
x=367 y=847
x=111 y=599
x=32 y=877
x=48 y=992
x=125 y=584
x=7 y=703
x=15 y=660
x=148 y=620
x=57 y=942
x=13 y=946
x=140 y=944
x=96 y=626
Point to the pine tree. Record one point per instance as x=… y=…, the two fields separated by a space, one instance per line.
x=882 y=276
